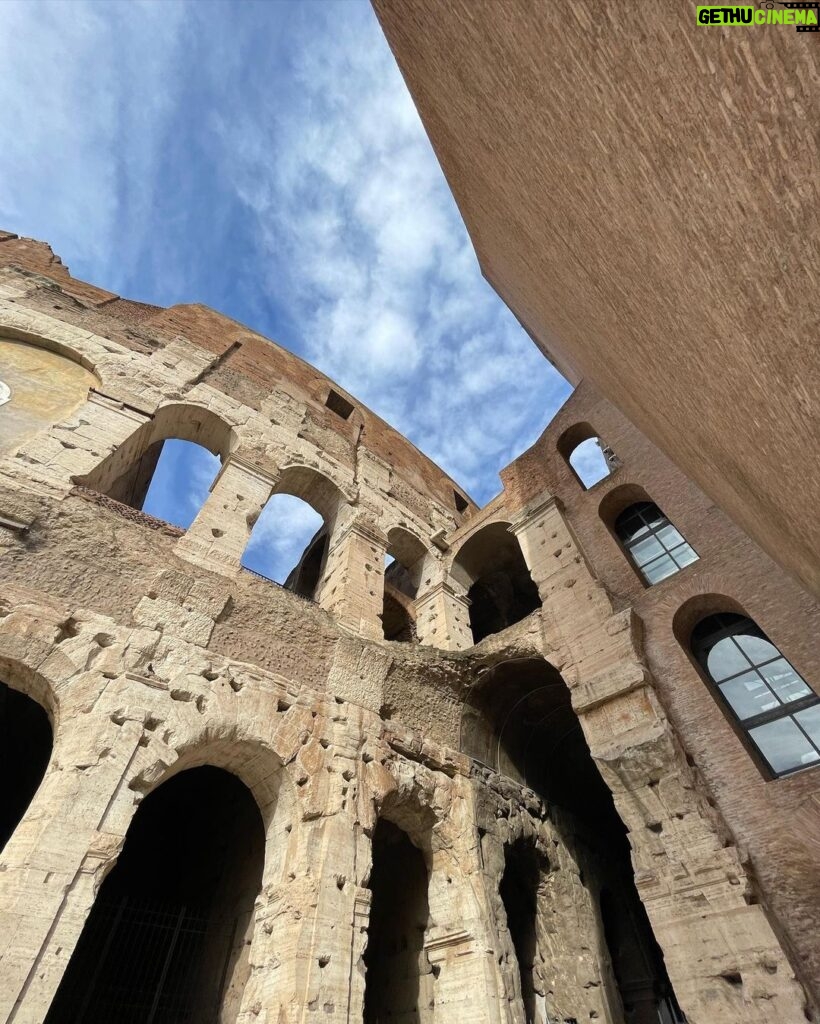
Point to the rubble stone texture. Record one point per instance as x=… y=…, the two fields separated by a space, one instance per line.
x=404 y=844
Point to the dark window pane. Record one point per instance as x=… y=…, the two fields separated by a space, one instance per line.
x=725 y=659
x=783 y=745
x=749 y=695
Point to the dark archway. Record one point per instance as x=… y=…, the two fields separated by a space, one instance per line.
x=519 y=721
x=173 y=918
x=25 y=749
x=395 y=960
x=500 y=588
x=519 y=893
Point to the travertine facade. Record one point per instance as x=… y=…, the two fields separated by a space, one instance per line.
x=403 y=842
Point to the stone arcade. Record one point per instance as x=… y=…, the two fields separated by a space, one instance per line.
x=229 y=801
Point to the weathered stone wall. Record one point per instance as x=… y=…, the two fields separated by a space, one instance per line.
x=154 y=653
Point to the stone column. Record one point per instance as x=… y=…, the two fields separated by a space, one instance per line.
x=443 y=617
x=555 y=562
x=722 y=954
x=52 y=868
x=353 y=585
x=217 y=538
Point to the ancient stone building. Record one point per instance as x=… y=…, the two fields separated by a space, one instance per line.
x=556 y=764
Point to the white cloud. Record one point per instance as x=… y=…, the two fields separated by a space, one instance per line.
x=171 y=150
x=280 y=535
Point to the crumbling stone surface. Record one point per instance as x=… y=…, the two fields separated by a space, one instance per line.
x=154 y=653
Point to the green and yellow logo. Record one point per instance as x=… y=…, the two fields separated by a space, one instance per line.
x=804 y=16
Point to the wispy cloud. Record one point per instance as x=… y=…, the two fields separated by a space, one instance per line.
x=280 y=535
x=266 y=159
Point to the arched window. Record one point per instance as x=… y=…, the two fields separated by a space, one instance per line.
x=773 y=705
x=500 y=588
x=653 y=544
x=403 y=567
x=167 y=466
x=288 y=544
x=589 y=458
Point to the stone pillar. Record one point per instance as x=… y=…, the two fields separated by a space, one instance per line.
x=555 y=563
x=217 y=538
x=443 y=617
x=723 y=957
x=353 y=585
x=52 y=867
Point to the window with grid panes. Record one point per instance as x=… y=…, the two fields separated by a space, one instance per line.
x=774 y=706
x=656 y=548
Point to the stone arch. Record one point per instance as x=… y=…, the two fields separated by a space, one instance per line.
x=170 y=926
x=519 y=720
x=315 y=487
x=303 y=572
x=406 y=562
x=125 y=475
x=490 y=566
x=568 y=444
x=27 y=742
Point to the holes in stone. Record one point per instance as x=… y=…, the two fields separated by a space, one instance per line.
x=732 y=978
x=519 y=891
x=339 y=404
x=460 y=502
x=282 y=705
x=66 y=630
x=323 y=961
x=655 y=827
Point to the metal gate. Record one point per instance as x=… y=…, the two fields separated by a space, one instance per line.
x=137 y=962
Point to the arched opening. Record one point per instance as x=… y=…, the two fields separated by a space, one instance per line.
x=404 y=565
x=167 y=467
x=770 y=705
x=519 y=720
x=519 y=894
x=25 y=749
x=173 y=919
x=290 y=540
x=38 y=388
x=398 y=978
x=590 y=459
x=499 y=586
x=288 y=545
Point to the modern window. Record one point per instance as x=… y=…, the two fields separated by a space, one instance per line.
x=656 y=548
x=772 y=703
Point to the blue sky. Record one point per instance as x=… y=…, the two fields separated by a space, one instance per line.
x=266 y=159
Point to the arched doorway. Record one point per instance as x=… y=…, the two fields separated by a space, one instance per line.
x=398 y=977
x=499 y=586
x=171 y=924
x=25 y=749
x=519 y=721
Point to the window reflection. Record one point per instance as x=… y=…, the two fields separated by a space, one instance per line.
x=656 y=548
x=771 y=701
